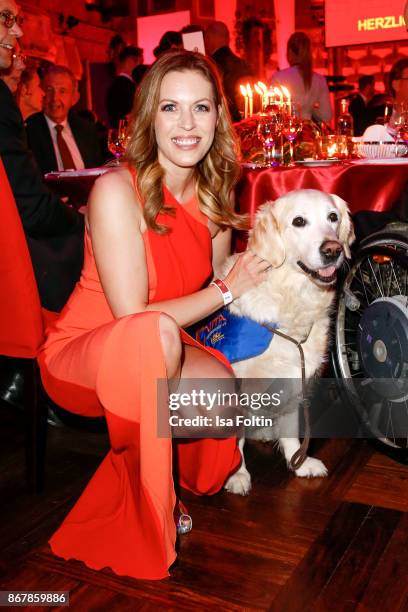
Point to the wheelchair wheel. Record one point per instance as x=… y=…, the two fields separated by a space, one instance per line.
x=371 y=339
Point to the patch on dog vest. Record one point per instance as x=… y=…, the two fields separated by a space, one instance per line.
x=237 y=337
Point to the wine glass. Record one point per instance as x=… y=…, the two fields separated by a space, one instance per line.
x=397 y=126
x=268 y=130
x=117 y=140
x=291 y=127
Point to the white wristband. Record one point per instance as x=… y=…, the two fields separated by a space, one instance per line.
x=224 y=290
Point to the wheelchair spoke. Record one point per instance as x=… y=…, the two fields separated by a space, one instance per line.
x=375 y=278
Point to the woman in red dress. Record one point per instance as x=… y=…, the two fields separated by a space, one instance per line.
x=154 y=230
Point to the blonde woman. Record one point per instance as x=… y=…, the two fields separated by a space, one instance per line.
x=308 y=89
x=155 y=229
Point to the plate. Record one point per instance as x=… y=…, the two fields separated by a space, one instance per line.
x=382 y=160
x=65 y=174
x=317 y=162
x=252 y=165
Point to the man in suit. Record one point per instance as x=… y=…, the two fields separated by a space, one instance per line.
x=58 y=137
x=52 y=229
x=232 y=68
x=358 y=105
x=119 y=99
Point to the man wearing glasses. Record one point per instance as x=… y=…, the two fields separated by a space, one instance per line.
x=9 y=31
x=54 y=231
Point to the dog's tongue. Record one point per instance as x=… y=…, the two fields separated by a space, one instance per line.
x=326 y=272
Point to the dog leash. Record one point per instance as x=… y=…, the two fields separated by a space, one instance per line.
x=300 y=455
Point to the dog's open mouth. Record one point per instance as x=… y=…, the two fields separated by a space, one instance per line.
x=324 y=275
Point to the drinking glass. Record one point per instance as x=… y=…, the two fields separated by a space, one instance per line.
x=268 y=130
x=397 y=126
x=117 y=140
x=291 y=126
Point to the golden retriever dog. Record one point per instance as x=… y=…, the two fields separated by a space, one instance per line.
x=305 y=235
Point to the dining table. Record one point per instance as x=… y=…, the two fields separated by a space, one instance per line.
x=365 y=184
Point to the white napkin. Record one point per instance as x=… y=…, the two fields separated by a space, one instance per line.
x=376 y=133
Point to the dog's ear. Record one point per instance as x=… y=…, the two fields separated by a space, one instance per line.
x=265 y=239
x=346 y=230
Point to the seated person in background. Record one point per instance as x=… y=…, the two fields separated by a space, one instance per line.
x=54 y=231
x=308 y=88
x=59 y=139
x=397 y=83
x=12 y=75
x=232 y=68
x=359 y=102
x=29 y=93
x=119 y=99
x=156 y=226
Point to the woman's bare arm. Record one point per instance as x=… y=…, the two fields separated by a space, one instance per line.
x=221 y=244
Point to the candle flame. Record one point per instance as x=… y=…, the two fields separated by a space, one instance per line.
x=258 y=89
x=249 y=90
x=243 y=90
x=262 y=86
x=278 y=91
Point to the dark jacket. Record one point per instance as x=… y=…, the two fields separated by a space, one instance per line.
x=358 y=110
x=119 y=99
x=51 y=228
x=40 y=141
x=232 y=69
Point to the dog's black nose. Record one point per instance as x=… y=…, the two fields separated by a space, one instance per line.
x=330 y=250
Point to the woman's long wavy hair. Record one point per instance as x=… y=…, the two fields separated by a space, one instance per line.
x=299 y=52
x=216 y=174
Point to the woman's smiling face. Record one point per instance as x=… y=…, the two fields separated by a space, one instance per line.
x=185 y=120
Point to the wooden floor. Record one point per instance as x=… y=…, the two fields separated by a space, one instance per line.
x=332 y=544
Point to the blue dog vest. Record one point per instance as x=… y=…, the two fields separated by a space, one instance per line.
x=237 y=337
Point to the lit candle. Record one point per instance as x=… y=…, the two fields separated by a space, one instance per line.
x=279 y=93
x=264 y=89
x=270 y=96
x=251 y=100
x=244 y=93
x=286 y=92
x=260 y=94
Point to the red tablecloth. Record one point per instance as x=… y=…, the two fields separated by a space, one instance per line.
x=363 y=186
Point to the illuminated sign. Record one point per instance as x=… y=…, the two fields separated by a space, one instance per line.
x=351 y=22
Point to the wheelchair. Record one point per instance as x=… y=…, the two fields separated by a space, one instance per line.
x=370 y=348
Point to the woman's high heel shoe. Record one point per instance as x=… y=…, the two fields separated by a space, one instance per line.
x=184 y=522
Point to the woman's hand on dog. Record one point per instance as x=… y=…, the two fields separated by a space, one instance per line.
x=248 y=272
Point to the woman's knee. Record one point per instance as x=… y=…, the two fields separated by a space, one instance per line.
x=171 y=341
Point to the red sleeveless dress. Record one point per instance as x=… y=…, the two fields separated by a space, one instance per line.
x=93 y=364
